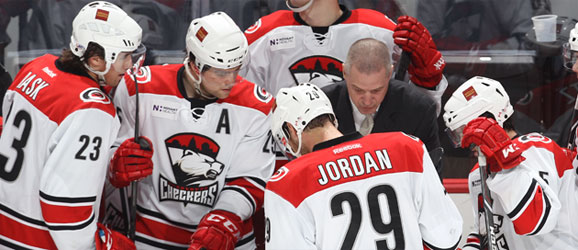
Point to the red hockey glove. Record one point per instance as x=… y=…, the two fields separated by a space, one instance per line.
x=501 y=152
x=108 y=239
x=427 y=63
x=218 y=230
x=131 y=162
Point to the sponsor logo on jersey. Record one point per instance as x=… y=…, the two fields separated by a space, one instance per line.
x=101 y=15
x=94 y=95
x=31 y=85
x=281 y=172
x=285 y=40
x=318 y=70
x=49 y=72
x=254 y=27
x=165 y=109
x=261 y=94
x=195 y=167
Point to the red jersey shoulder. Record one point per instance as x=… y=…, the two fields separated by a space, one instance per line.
x=371 y=17
x=269 y=22
x=155 y=79
x=368 y=157
x=248 y=94
x=56 y=93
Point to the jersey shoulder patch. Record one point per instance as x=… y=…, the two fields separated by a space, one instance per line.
x=371 y=17
x=269 y=22
x=155 y=79
x=248 y=94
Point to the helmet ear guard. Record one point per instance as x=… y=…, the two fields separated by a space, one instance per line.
x=472 y=99
x=297 y=106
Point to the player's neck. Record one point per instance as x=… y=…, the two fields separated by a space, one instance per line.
x=318 y=135
x=322 y=13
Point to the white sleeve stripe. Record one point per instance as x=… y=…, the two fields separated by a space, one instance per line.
x=547 y=207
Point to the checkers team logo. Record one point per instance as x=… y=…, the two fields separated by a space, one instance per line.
x=254 y=27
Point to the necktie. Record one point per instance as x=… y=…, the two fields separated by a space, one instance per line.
x=366 y=125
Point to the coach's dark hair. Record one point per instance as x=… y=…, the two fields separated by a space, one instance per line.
x=72 y=63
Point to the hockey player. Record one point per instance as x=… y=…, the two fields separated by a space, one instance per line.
x=59 y=126
x=210 y=128
x=530 y=179
x=380 y=191
x=310 y=43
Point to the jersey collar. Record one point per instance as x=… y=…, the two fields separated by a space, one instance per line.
x=326 y=144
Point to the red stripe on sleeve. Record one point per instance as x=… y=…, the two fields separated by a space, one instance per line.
x=25 y=234
x=65 y=214
x=531 y=216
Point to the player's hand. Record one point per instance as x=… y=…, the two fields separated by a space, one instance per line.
x=108 y=239
x=131 y=162
x=501 y=152
x=218 y=230
x=427 y=63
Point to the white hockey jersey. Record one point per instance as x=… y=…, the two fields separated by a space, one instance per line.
x=58 y=130
x=285 y=51
x=207 y=155
x=533 y=203
x=376 y=192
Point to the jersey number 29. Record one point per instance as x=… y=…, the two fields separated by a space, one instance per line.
x=374 y=213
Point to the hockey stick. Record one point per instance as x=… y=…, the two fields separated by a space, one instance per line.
x=487 y=199
x=402 y=66
x=572 y=135
x=131 y=218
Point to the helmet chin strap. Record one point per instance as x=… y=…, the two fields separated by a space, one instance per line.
x=298 y=153
x=99 y=74
x=300 y=9
x=196 y=81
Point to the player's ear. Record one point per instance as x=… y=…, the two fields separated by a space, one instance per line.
x=96 y=63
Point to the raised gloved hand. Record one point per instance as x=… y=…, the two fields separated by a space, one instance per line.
x=500 y=151
x=218 y=230
x=131 y=162
x=427 y=63
x=108 y=239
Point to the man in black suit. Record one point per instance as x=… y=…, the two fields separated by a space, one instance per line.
x=369 y=92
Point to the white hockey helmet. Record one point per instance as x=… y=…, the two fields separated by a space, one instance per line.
x=107 y=25
x=297 y=106
x=473 y=98
x=215 y=40
x=298 y=9
x=570 y=49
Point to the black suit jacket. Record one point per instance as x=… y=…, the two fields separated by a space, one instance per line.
x=404 y=108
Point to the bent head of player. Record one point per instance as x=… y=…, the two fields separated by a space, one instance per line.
x=570 y=50
x=104 y=40
x=299 y=109
x=478 y=96
x=216 y=50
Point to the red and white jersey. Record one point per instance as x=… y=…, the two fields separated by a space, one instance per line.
x=285 y=51
x=380 y=191
x=533 y=203
x=207 y=154
x=58 y=129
